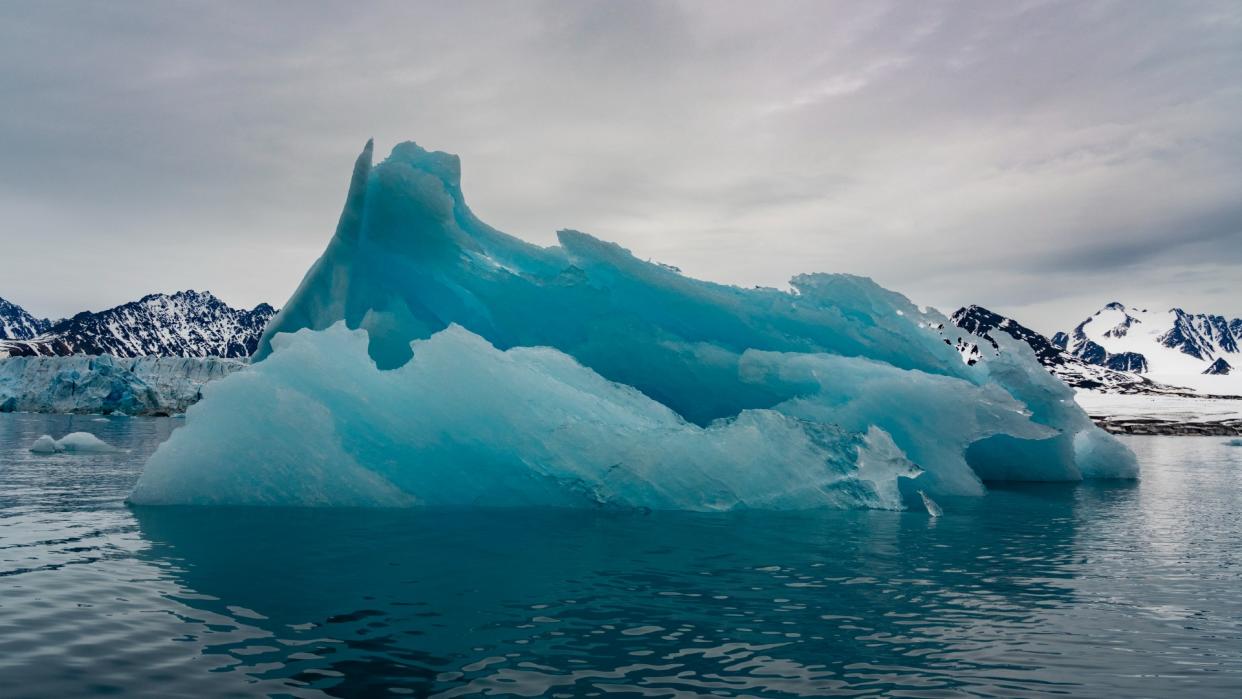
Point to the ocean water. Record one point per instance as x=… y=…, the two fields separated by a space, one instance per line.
x=1089 y=590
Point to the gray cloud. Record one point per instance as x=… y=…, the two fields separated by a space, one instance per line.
x=1040 y=157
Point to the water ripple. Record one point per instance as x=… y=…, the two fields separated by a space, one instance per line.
x=1038 y=590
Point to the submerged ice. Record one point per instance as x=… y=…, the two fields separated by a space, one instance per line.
x=430 y=359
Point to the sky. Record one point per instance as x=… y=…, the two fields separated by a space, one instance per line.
x=1038 y=158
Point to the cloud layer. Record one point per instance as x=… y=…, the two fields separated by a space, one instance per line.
x=1038 y=157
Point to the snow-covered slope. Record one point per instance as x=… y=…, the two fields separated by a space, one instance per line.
x=105 y=384
x=184 y=324
x=1073 y=370
x=1197 y=351
x=1123 y=401
x=17 y=324
x=1163 y=414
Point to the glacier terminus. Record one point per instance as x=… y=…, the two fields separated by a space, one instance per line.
x=428 y=359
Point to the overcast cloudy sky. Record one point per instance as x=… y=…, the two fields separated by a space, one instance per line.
x=1040 y=158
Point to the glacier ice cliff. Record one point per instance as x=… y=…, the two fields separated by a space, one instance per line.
x=427 y=358
x=107 y=384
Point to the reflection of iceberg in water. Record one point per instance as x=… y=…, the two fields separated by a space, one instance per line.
x=580 y=375
x=563 y=600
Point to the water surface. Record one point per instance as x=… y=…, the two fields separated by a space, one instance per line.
x=1101 y=590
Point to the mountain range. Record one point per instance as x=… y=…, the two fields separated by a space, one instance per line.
x=17 y=324
x=1173 y=342
x=1117 y=349
x=1130 y=350
x=183 y=324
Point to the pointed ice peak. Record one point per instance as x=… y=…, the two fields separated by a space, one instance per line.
x=1115 y=306
x=362 y=165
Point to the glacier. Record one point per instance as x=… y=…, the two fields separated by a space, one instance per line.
x=430 y=359
x=106 y=384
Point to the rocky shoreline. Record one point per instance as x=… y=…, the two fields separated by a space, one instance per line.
x=1157 y=426
x=1187 y=414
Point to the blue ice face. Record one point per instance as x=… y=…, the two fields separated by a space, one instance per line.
x=840 y=368
x=463 y=423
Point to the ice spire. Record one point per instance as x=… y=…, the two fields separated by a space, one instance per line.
x=317 y=293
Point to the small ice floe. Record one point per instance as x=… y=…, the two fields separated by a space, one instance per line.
x=77 y=442
x=1234 y=443
x=45 y=445
x=932 y=508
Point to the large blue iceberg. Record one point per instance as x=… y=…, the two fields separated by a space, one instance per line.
x=429 y=359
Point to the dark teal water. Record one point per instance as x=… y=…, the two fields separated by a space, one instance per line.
x=1116 y=590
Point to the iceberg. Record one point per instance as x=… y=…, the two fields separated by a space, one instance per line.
x=430 y=359
x=79 y=442
x=45 y=445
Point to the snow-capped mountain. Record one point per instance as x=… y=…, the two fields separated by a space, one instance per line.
x=17 y=324
x=1199 y=351
x=184 y=324
x=1122 y=349
x=1073 y=370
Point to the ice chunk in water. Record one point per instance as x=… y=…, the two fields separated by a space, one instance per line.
x=932 y=507
x=45 y=445
x=80 y=442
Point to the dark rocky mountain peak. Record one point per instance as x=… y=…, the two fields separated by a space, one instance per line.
x=1219 y=368
x=17 y=324
x=184 y=324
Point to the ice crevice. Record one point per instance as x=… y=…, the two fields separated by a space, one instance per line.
x=429 y=359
